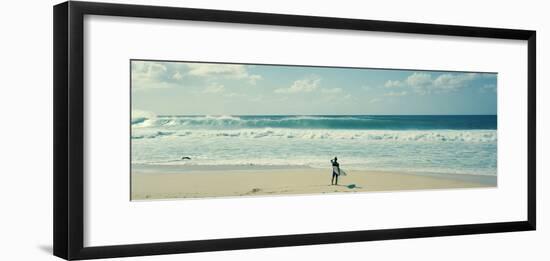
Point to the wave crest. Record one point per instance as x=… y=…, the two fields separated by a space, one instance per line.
x=316 y=122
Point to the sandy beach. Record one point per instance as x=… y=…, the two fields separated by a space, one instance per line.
x=183 y=182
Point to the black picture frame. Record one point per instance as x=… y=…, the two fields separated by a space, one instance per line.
x=69 y=128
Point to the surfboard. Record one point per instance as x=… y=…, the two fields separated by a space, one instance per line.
x=338 y=170
x=343 y=173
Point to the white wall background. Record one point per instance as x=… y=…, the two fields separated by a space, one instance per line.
x=26 y=129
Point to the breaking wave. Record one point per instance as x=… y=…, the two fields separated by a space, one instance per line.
x=472 y=136
x=456 y=122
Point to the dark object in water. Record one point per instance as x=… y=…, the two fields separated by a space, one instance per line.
x=185 y=158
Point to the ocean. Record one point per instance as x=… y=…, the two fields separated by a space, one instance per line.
x=453 y=144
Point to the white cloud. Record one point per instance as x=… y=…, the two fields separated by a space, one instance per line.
x=177 y=76
x=424 y=83
x=392 y=84
x=147 y=70
x=305 y=85
x=332 y=91
x=153 y=75
x=453 y=81
x=259 y=98
x=252 y=79
x=395 y=94
x=419 y=80
x=232 y=71
x=489 y=75
x=489 y=87
x=214 y=88
x=148 y=75
x=375 y=100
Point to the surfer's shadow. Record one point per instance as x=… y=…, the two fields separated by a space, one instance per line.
x=350 y=186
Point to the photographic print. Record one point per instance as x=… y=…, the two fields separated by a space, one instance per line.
x=202 y=130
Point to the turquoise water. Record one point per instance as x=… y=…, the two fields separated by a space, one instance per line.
x=465 y=144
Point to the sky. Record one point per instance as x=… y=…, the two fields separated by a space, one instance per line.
x=182 y=88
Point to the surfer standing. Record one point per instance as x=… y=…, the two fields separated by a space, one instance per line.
x=335 y=171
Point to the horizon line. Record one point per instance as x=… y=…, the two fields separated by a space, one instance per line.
x=327 y=114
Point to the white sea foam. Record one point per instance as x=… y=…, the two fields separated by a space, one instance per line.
x=143 y=119
x=360 y=135
x=312 y=140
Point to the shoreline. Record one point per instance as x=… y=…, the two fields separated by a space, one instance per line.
x=183 y=168
x=180 y=181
